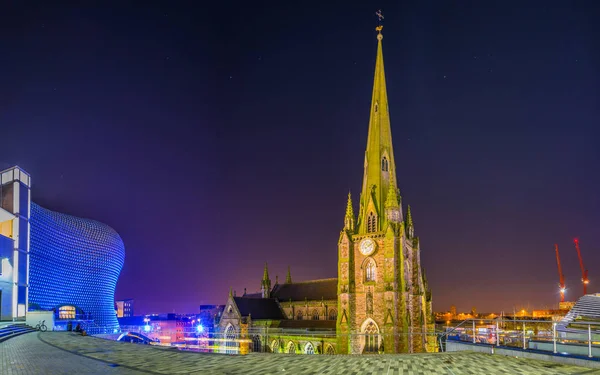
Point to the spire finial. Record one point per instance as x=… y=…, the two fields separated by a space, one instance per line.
x=409 y=220
x=266 y=272
x=288 y=278
x=379 y=26
x=349 y=210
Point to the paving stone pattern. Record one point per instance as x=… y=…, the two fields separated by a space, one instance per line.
x=67 y=353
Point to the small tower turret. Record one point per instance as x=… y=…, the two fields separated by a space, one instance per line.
x=410 y=228
x=349 y=217
x=265 y=285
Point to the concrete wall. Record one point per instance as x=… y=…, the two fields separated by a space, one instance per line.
x=34 y=317
x=457 y=346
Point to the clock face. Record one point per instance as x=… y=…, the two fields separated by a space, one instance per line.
x=367 y=246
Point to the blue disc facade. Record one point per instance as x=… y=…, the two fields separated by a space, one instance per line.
x=75 y=262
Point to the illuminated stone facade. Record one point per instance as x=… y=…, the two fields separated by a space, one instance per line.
x=75 y=262
x=384 y=301
x=380 y=301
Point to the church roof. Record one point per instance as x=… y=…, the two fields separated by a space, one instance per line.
x=308 y=324
x=259 y=308
x=325 y=289
x=253 y=295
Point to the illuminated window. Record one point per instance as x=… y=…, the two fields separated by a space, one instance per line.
x=291 y=348
x=371 y=223
x=299 y=315
x=309 y=349
x=370 y=271
x=330 y=350
x=275 y=347
x=315 y=315
x=231 y=346
x=66 y=312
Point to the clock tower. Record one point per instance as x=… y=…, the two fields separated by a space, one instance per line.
x=384 y=303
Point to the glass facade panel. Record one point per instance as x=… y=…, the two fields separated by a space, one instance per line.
x=75 y=262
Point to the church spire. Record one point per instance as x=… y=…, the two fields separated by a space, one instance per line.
x=288 y=278
x=265 y=285
x=379 y=167
x=349 y=218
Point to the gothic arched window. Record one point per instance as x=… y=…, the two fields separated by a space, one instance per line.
x=309 y=349
x=299 y=315
x=291 y=348
x=370 y=271
x=371 y=223
x=275 y=347
x=230 y=340
x=384 y=164
x=332 y=314
x=315 y=315
x=256 y=344
x=371 y=338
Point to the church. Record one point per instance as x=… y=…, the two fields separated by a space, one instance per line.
x=380 y=301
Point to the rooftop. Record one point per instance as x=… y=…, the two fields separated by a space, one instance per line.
x=322 y=289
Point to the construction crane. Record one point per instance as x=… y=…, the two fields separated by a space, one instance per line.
x=560 y=275
x=584 y=272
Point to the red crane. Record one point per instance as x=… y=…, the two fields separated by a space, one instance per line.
x=560 y=275
x=584 y=272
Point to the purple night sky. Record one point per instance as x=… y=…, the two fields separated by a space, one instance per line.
x=215 y=138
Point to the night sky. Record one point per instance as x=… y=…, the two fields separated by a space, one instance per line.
x=215 y=138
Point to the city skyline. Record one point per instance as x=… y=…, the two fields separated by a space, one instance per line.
x=212 y=149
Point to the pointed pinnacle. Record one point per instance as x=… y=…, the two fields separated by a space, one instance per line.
x=392 y=198
x=409 y=221
x=266 y=273
x=288 y=278
x=230 y=291
x=349 y=210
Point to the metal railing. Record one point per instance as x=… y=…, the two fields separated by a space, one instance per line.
x=578 y=338
x=277 y=340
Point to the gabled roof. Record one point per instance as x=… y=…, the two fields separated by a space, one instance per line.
x=259 y=308
x=308 y=324
x=253 y=295
x=311 y=290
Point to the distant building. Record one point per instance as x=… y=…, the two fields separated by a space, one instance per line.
x=165 y=328
x=210 y=315
x=124 y=308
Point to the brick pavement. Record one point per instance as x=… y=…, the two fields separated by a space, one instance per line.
x=62 y=353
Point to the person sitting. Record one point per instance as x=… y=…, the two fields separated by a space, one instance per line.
x=78 y=328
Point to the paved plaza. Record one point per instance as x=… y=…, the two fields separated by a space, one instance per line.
x=67 y=353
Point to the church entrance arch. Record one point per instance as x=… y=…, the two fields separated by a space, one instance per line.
x=370 y=336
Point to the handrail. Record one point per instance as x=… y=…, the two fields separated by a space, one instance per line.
x=449 y=332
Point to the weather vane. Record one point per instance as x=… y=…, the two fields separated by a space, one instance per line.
x=380 y=17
